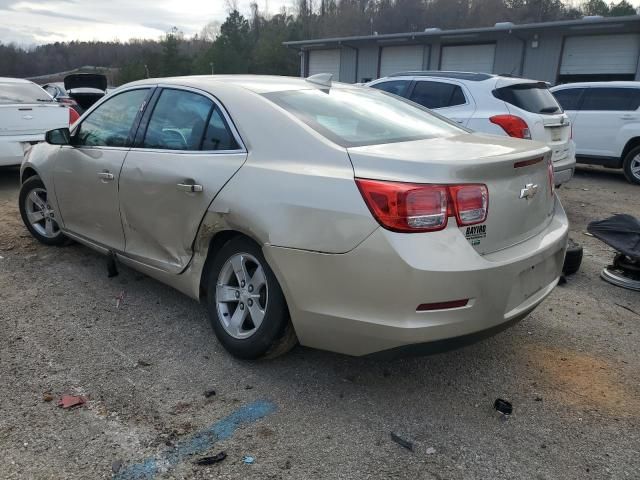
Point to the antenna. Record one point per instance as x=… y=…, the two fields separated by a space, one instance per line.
x=322 y=79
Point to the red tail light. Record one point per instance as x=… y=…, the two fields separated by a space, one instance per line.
x=409 y=207
x=552 y=181
x=73 y=116
x=514 y=126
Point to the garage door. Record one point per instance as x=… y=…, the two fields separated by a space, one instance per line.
x=600 y=54
x=401 y=59
x=468 y=58
x=325 y=61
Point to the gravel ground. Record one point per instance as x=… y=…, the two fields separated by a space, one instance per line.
x=570 y=369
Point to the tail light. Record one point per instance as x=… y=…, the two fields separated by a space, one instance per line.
x=514 y=126
x=550 y=172
x=73 y=116
x=410 y=207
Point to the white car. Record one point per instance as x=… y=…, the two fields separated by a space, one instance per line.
x=26 y=113
x=493 y=104
x=606 y=123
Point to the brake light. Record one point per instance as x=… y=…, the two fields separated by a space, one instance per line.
x=550 y=172
x=73 y=116
x=410 y=207
x=514 y=126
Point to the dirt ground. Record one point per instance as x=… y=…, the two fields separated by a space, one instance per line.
x=571 y=371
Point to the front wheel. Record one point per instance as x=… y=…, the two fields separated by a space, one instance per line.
x=246 y=306
x=37 y=214
x=631 y=166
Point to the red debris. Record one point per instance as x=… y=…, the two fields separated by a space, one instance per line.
x=70 y=401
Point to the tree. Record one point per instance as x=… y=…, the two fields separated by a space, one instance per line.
x=621 y=8
x=595 y=7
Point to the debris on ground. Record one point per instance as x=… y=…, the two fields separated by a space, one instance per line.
x=503 y=406
x=143 y=363
x=112 y=267
x=431 y=451
x=47 y=397
x=248 y=387
x=119 y=298
x=209 y=393
x=211 y=460
x=70 y=401
x=248 y=460
x=402 y=442
x=116 y=465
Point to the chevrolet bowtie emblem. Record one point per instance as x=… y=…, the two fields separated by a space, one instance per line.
x=529 y=191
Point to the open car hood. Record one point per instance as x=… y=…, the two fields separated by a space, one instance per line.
x=85 y=80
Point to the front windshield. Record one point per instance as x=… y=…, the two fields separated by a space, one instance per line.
x=354 y=117
x=12 y=93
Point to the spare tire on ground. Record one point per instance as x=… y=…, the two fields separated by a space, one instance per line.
x=572 y=259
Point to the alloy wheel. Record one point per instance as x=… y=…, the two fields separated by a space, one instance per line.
x=40 y=214
x=241 y=295
x=635 y=166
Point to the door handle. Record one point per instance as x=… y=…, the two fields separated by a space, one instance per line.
x=628 y=117
x=189 y=187
x=105 y=176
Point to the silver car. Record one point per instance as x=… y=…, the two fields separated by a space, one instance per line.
x=336 y=216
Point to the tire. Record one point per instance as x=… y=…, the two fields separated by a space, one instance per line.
x=250 y=319
x=572 y=259
x=37 y=215
x=631 y=166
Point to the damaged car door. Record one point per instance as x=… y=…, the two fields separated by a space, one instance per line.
x=185 y=151
x=86 y=172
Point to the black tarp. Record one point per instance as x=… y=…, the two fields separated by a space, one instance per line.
x=621 y=232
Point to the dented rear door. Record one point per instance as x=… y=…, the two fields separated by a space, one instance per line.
x=187 y=150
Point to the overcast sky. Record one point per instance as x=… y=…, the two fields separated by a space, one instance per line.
x=43 y=21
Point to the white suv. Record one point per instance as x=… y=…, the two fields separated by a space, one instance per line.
x=492 y=104
x=606 y=123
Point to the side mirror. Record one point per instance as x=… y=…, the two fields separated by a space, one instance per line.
x=59 y=136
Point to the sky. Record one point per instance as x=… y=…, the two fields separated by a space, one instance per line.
x=43 y=21
x=32 y=22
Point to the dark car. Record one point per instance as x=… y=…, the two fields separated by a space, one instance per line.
x=79 y=90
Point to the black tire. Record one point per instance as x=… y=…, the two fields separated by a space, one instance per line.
x=275 y=335
x=572 y=259
x=30 y=185
x=627 y=164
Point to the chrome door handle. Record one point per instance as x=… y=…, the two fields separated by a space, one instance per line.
x=628 y=117
x=189 y=187
x=105 y=176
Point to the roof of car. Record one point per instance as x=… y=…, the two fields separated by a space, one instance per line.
x=254 y=83
x=471 y=76
x=618 y=83
x=14 y=80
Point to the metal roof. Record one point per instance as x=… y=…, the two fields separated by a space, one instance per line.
x=432 y=33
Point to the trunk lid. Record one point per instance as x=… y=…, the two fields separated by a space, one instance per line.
x=85 y=80
x=27 y=119
x=510 y=169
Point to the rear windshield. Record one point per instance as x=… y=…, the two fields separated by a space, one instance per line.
x=532 y=97
x=357 y=117
x=11 y=93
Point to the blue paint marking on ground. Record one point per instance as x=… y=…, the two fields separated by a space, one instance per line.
x=198 y=443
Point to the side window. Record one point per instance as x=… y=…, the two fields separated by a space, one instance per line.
x=109 y=125
x=178 y=121
x=569 y=98
x=437 y=94
x=397 y=87
x=612 y=99
x=218 y=136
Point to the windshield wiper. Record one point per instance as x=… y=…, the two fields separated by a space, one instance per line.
x=549 y=109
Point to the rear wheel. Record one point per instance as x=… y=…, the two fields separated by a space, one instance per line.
x=246 y=306
x=37 y=214
x=631 y=166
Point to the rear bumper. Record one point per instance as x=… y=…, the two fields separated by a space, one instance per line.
x=563 y=169
x=365 y=301
x=13 y=148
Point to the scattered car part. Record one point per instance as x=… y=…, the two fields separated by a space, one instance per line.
x=211 y=460
x=622 y=233
x=70 y=401
x=402 y=442
x=503 y=406
x=572 y=258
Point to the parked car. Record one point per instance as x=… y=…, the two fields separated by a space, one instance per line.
x=351 y=219
x=26 y=113
x=496 y=104
x=79 y=90
x=606 y=123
